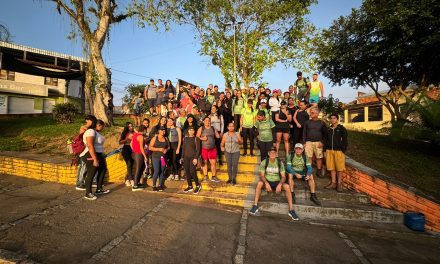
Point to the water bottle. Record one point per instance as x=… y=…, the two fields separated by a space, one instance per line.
x=162 y=161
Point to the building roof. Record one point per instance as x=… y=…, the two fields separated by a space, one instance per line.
x=41 y=51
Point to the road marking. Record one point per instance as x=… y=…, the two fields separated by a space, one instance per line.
x=353 y=248
x=241 y=247
x=118 y=240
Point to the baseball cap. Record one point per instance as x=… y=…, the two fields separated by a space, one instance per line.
x=299 y=145
x=272 y=149
x=263 y=101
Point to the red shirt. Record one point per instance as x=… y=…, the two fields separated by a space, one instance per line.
x=136 y=147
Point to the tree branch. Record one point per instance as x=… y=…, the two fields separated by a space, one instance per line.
x=67 y=9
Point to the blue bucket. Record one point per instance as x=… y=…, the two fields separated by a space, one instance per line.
x=415 y=221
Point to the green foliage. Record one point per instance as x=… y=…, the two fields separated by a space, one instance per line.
x=387 y=43
x=65 y=113
x=330 y=105
x=271 y=31
x=133 y=90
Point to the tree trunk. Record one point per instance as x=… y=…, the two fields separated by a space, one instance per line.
x=88 y=88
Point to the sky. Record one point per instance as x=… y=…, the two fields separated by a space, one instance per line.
x=145 y=53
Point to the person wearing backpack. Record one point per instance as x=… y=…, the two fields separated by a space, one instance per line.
x=159 y=145
x=78 y=147
x=302 y=87
x=299 y=165
x=273 y=178
x=93 y=156
x=207 y=134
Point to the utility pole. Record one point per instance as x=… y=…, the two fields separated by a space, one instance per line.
x=234 y=24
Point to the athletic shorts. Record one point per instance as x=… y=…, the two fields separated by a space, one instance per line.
x=314 y=99
x=335 y=160
x=209 y=154
x=285 y=130
x=313 y=148
x=137 y=112
x=152 y=102
x=273 y=185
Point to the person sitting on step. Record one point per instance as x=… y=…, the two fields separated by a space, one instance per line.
x=299 y=165
x=272 y=178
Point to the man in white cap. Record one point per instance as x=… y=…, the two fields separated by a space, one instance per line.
x=299 y=165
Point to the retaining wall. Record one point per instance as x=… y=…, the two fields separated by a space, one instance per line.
x=390 y=193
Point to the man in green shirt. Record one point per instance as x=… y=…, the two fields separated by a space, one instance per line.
x=264 y=126
x=302 y=87
x=273 y=178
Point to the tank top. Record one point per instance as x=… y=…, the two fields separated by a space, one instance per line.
x=282 y=116
x=209 y=133
x=302 y=117
x=173 y=136
x=135 y=143
x=231 y=143
x=158 y=144
x=314 y=90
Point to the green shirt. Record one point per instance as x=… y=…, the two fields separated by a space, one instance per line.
x=210 y=99
x=301 y=85
x=248 y=117
x=236 y=108
x=297 y=163
x=272 y=172
x=265 y=129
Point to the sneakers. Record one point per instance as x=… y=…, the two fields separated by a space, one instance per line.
x=253 y=210
x=252 y=155
x=94 y=185
x=293 y=215
x=220 y=162
x=314 y=199
x=132 y=183
x=214 y=179
x=155 y=189
x=137 y=188
x=176 y=177
x=188 y=189
x=127 y=183
x=229 y=181
x=102 y=191
x=80 y=188
x=90 y=197
x=206 y=178
x=234 y=182
x=160 y=189
x=148 y=113
x=198 y=189
x=171 y=177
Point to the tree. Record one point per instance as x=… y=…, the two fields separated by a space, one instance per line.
x=93 y=18
x=385 y=42
x=132 y=91
x=5 y=34
x=330 y=105
x=267 y=31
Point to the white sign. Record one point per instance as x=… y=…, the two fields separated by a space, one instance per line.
x=3 y=104
x=23 y=88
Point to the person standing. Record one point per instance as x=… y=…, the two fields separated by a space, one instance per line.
x=190 y=154
x=301 y=87
x=217 y=123
x=247 y=126
x=169 y=89
x=150 y=95
x=237 y=106
x=274 y=103
x=139 y=155
x=282 y=127
x=159 y=146
x=299 y=118
x=175 y=138
x=264 y=125
x=137 y=102
x=314 y=134
x=160 y=91
x=316 y=88
x=82 y=168
x=125 y=140
x=335 y=146
x=226 y=108
x=207 y=135
x=93 y=156
x=230 y=144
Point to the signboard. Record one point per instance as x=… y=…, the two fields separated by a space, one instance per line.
x=3 y=104
x=23 y=88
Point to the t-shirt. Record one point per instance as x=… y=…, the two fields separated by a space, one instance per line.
x=160 y=94
x=231 y=142
x=98 y=142
x=265 y=129
x=137 y=103
x=248 y=117
x=302 y=86
x=237 y=107
x=151 y=92
x=314 y=130
x=297 y=163
x=274 y=104
x=272 y=173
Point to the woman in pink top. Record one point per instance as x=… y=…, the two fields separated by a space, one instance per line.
x=186 y=102
x=139 y=156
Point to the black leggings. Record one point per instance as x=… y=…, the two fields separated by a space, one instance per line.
x=218 y=142
x=190 y=171
x=172 y=157
x=248 y=132
x=127 y=155
x=91 y=170
x=140 y=167
x=237 y=119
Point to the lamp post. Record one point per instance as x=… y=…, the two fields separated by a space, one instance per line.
x=234 y=24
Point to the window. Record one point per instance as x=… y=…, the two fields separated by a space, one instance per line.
x=51 y=81
x=356 y=115
x=375 y=113
x=7 y=75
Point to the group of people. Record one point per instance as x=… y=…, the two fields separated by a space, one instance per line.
x=196 y=127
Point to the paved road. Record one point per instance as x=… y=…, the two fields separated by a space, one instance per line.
x=51 y=223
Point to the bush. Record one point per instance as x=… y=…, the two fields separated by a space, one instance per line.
x=65 y=113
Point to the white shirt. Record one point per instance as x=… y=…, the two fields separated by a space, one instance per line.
x=98 y=142
x=274 y=104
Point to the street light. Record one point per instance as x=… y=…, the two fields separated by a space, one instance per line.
x=234 y=25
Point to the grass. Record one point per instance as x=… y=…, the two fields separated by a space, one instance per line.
x=406 y=160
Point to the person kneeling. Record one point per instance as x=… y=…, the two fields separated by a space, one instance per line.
x=272 y=178
x=299 y=165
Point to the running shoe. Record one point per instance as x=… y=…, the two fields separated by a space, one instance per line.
x=176 y=177
x=229 y=181
x=136 y=188
x=90 y=197
x=80 y=188
x=171 y=177
x=102 y=191
x=155 y=189
x=206 y=178
x=197 y=189
x=160 y=189
x=293 y=215
x=253 y=210
x=214 y=179
x=188 y=189
x=127 y=183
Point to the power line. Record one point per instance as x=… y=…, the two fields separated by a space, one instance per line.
x=134 y=74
